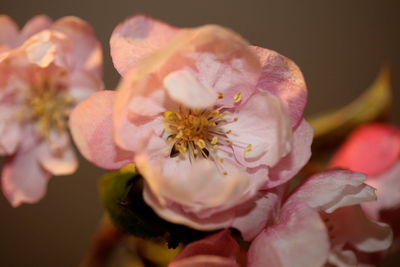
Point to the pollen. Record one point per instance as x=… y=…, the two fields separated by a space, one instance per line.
x=248 y=148
x=237 y=97
x=220 y=95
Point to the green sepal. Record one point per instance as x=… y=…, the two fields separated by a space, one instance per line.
x=121 y=194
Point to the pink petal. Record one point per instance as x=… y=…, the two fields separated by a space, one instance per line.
x=342 y=258
x=183 y=87
x=34 y=25
x=182 y=182
x=133 y=123
x=299 y=238
x=57 y=160
x=351 y=225
x=262 y=123
x=290 y=165
x=283 y=78
x=370 y=149
x=10 y=137
x=91 y=127
x=135 y=38
x=220 y=244
x=8 y=33
x=205 y=260
x=23 y=179
x=83 y=84
x=332 y=189
x=87 y=52
x=263 y=211
x=174 y=213
x=387 y=186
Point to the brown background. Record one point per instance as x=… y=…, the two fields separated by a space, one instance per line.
x=339 y=45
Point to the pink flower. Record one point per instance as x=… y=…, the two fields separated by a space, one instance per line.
x=208 y=120
x=321 y=222
x=46 y=69
x=374 y=149
x=219 y=250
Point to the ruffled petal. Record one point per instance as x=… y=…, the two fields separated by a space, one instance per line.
x=183 y=182
x=370 y=149
x=263 y=211
x=219 y=249
x=299 y=238
x=8 y=33
x=387 y=186
x=290 y=165
x=34 y=25
x=135 y=38
x=262 y=125
x=133 y=121
x=283 y=78
x=23 y=179
x=91 y=127
x=351 y=225
x=329 y=190
x=86 y=48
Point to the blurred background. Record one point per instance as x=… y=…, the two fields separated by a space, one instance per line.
x=339 y=45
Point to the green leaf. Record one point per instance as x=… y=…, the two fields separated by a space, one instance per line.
x=121 y=195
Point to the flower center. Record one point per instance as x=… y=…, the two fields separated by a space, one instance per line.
x=48 y=107
x=196 y=133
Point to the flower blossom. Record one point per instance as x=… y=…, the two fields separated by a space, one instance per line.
x=46 y=69
x=321 y=223
x=374 y=149
x=208 y=120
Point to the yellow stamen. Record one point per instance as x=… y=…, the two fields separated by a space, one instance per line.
x=214 y=140
x=238 y=97
x=220 y=95
x=248 y=148
x=228 y=132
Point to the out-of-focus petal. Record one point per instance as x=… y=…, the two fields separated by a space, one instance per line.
x=370 y=149
x=83 y=84
x=332 y=189
x=34 y=25
x=91 y=127
x=86 y=48
x=23 y=179
x=8 y=33
x=351 y=225
x=299 y=238
x=57 y=161
x=135 y=38
x=183 y=87
x=219 y=249
x=10 y=137
x=262 y=125
x=283 y=78
x=387 y=187
x=290 y=165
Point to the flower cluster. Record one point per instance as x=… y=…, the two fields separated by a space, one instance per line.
x=214 y=126
x=46 y=69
